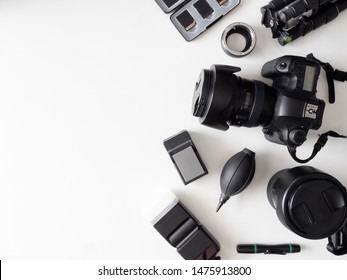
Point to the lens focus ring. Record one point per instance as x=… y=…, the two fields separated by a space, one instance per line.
x=258 y=104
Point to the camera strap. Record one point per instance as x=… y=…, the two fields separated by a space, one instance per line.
x=322 y=140
x=332 y=75
x=338 y=242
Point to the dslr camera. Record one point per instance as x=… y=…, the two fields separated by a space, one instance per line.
x=287 y=110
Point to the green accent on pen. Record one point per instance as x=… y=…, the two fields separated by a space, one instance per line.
x=290 y=248
x=255 y=248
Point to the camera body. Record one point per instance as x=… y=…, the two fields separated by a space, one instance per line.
x=297 y=109
x=287 y=110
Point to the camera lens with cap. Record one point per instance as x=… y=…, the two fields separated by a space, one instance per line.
x=308 y=201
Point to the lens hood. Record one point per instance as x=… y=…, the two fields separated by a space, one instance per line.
x=211 y=98
x=308 y=201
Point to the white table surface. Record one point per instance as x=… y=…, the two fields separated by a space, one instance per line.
x=90 y=89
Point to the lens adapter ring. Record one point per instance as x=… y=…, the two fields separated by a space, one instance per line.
x=243 y=29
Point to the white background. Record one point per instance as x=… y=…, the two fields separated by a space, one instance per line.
x=90 y=89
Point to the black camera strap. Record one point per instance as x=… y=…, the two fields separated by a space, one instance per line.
x=332 y=75
x=322 y=140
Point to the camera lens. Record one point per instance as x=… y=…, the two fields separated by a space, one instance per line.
x=222 y=99
x=308 y=201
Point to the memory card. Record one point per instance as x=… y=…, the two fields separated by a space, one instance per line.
x=193 y=17
x=197 y=16
x=169 y=5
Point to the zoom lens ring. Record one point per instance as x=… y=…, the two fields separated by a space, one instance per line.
x=258 y=104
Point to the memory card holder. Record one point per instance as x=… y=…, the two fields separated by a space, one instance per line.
x=169 y=5
x=191 y=18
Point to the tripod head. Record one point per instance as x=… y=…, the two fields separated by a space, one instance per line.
x=291 y=19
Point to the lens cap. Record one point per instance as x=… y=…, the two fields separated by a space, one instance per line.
x=317 y=208
x=311 y=203
x=201 y=93
x=211 y=98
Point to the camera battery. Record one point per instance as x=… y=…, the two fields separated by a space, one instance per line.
x=185 y=157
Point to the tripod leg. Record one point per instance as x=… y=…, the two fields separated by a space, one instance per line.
x=277 y=5
x=299 y=7
x=307 y=24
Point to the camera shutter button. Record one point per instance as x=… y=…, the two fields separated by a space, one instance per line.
x=297 y=136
